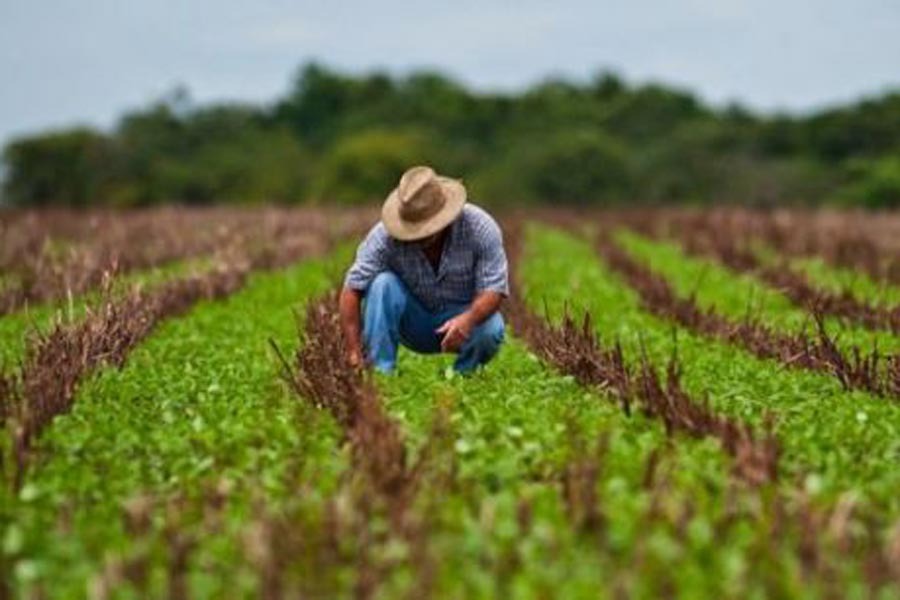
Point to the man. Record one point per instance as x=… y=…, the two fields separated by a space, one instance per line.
x=432 y=275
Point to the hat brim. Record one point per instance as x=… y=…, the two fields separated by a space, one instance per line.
x=455 y=199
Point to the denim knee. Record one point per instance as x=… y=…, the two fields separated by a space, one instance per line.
x=384 y=282
x=490 y=334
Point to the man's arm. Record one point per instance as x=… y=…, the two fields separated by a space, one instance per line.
x=371 y=259
x=348 y=307
x=457 y=330
x=485 y=304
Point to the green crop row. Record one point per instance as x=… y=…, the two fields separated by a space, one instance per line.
x=839 y=279
x=15 y=327
x=736 y=295
x=517 y=425
x=834 y=441
x=199 y=400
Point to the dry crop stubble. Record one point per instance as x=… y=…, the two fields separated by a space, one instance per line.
x=389 y=481
x=865 y=242
x=58 y=253
x=576 y=350
x=869 y=371
x=703 y=238
x=56 y=361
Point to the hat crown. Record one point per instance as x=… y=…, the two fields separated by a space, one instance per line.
x=420 y=194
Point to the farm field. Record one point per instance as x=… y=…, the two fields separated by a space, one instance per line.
x=688 y=404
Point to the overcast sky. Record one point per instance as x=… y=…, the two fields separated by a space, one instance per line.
x=85 y=61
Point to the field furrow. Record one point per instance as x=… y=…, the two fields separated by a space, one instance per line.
x=864 y=242
x=577 y=351
x=55 y=362
x=383 y=482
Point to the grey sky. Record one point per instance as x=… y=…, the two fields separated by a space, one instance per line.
x=85 y=61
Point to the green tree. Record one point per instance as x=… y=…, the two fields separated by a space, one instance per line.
x=65 y=168
x=573 y=167
x=580 y=166
x=367 y=165
x=873 y=184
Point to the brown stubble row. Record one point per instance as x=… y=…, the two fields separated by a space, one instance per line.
x=784 y=519
x=704 y=234
x=51 y=254
x=862 y=241
x=865 y=370
x=383 y=480
x=323 y=377
x=576 y=350
x=56 y=361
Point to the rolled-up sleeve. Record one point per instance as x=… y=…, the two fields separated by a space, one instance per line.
x=491 y=269
x=371 y=259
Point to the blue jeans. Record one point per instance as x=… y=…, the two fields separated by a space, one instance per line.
x=392 y=315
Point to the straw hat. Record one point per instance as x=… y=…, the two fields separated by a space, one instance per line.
x=422 y=204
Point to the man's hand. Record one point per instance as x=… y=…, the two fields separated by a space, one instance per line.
x=456 y=331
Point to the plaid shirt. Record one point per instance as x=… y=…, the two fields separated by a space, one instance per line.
x=473 y=261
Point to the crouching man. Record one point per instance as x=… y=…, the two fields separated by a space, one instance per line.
x=431 y=276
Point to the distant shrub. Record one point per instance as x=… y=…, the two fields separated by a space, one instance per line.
x=58 y=168
x=574 y=167
x=874 y=184
x=366 y=166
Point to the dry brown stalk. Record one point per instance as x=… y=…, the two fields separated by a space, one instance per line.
x=862 y=241
x=56 y=361
x=324 y=378
x=388 y=481
x=576 y=350
x=704 y=237
x=55 y=253
x=867 y=371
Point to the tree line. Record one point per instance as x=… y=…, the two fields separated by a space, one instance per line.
x=337 y=138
